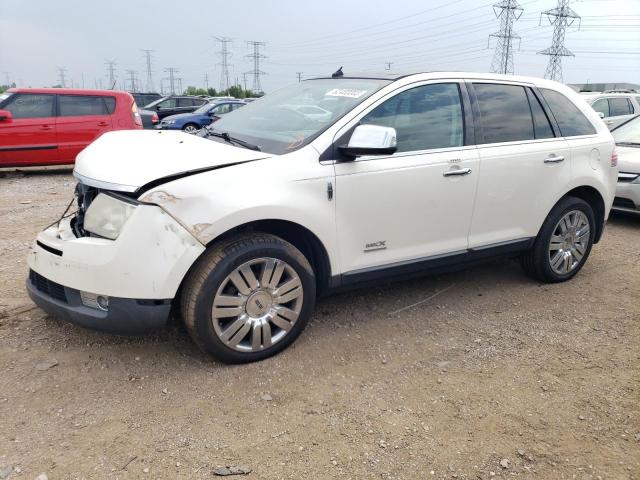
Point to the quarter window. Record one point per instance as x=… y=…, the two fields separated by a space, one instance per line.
x=570 y=119
x=601 y=105
x=619 y=106
x=504 y=112
x=424 y=117
x=78 y=105
x=27 y=105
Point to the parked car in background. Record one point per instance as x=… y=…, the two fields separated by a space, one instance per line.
x=50 y=126
x=614 y=108
x=149 y=118
x=240 y=227
x=175 y=104
x=205 y=115
x=627 y=137
x=144 y=99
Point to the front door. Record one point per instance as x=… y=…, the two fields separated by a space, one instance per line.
x=415 y=204
x=29 y=138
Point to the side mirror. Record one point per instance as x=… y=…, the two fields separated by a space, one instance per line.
x=371 y=140
x=601 y=115
x=5 y=115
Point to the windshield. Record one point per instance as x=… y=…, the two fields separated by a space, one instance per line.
x=628 y=132
x=290 y=118
x=4 y=96
x=204 y=108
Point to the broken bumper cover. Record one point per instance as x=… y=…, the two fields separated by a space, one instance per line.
x=140 y=272
x=124 y=316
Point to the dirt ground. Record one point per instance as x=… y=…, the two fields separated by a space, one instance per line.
x=496 y=376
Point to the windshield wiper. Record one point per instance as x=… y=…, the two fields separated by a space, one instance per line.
x=229 y=139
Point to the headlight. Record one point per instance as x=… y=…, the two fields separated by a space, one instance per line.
x=168 y=122
x=107 y=215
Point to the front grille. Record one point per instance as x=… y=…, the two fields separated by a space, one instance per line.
x=53 y=289
x=625 y=177
x=623 y=203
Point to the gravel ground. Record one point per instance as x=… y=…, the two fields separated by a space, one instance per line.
x=496 y=376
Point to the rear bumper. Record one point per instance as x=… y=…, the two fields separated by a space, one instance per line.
x=125 y=316
x=627 y=197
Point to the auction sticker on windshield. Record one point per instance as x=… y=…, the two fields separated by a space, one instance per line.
x=345 y=92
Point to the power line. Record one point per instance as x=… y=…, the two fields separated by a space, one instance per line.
x=256 y=72
x=62 y=80
x=149 y=87
x=111 y=73
x=560 y=17
x=509 y=12
x=224 y=62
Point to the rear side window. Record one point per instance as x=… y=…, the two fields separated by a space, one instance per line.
x=424 y=117
x=505 y=113
x=110 y=102
x=83 y=105
x=619 y=106
x=185 y=102
x=570 y=119
x=30 y=105
x=541 y=124
x=601 y=105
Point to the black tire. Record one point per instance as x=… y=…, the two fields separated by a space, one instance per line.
x=213 y=267
x=536 y=261
x=188 y=125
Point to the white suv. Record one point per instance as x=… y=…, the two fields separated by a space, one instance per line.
x=614 y=108
x=240 y=227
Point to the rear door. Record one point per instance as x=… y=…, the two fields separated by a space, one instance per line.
x=29 y=138
x=81 y=119
x=524 y=165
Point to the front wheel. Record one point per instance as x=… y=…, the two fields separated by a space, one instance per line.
x=190 y=128
x=564 y=242
x=248 y=298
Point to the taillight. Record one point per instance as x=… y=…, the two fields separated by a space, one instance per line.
x=136 y=116
x=614 y=158
x=154 y=118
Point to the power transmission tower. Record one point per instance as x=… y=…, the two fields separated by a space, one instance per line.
x=62 y=79
x=256 y=72
x=560 y=17
x=244 y=80
x=224 y=53
x=111 y=73
x=133 y=81
x=7 y=79
x=507 y=11
x=388 y=65
x=299 y=74
x=173 y=80
x=206 y=81
x=149 y=87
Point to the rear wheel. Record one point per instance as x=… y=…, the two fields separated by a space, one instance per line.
x=190 y=128
x=248 y=298
x=564 y=242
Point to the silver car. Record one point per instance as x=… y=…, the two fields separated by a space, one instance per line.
x=614 y=108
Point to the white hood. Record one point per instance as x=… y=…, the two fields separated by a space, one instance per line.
x=126 y=160
x=628 y=159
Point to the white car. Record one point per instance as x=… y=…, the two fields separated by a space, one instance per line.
x=614 y=108
x=627 y=137
x=239 y=228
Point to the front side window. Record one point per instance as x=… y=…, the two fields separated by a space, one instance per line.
x=275 y=125
x=30 y=105
x=425 y=117
x=505 y=113
x=78 y=105
x=221 y=109
x=571 y=120
x=619 y=106
x=602 y=106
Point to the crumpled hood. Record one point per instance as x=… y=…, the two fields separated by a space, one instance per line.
x=628 y=159
x=126 y=160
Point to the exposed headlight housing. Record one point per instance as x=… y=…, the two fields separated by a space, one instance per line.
x=107 y=215
x=168 y=122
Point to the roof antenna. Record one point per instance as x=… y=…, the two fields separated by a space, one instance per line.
x=337 y=74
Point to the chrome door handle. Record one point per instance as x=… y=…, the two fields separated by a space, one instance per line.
x=459 y=171
x=553 y=159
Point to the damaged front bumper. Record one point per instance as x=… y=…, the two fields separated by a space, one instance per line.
x=136 y=276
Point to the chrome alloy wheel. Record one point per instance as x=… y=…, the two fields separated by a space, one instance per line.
x=190 y=129
x=257 y=304
x=569 y=242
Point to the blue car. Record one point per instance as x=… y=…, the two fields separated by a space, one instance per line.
x=203 y=116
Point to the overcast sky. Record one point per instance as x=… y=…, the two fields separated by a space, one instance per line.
x=312 y=37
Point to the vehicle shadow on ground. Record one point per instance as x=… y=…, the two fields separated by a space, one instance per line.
x=20 y=172
x=625 y=219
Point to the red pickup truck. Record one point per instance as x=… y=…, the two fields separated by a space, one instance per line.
x=50 y=126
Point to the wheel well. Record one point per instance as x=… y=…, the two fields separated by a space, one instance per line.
x=298 y=236
x=594 y=199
